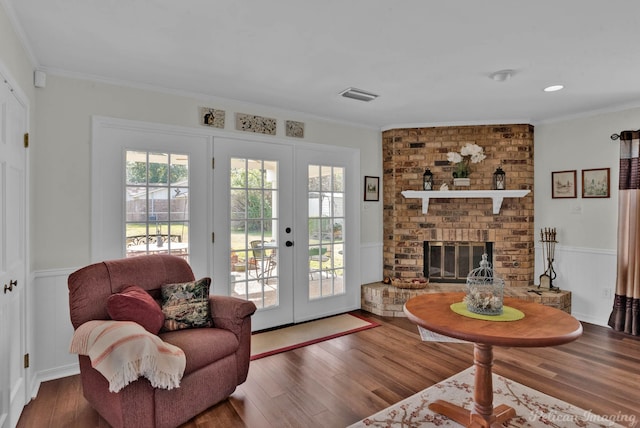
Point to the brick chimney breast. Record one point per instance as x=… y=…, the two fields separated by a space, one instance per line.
x=408 y=152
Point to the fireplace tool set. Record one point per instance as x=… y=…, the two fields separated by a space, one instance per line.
x=548 y=240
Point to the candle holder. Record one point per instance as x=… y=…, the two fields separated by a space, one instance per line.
x=499 y=179
x=427 y=180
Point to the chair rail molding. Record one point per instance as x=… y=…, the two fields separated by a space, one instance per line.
x=496 y=196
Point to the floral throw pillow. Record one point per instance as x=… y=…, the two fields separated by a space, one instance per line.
x=186 y=305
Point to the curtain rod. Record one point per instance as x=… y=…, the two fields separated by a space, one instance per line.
x=614 y=137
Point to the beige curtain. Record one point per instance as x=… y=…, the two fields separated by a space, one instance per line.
x=624 y=316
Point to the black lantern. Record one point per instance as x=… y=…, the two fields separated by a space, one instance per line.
x=499 y=182
x=427 y=180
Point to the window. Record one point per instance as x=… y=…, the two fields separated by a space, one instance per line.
x=254 y=194
x=326 y=230
x=157 y=203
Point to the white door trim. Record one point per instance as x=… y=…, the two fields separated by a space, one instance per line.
x=100 y=238
x=107 y=202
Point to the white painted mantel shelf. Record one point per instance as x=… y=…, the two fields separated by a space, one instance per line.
x=496 y=195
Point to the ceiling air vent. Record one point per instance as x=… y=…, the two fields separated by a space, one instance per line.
x=358 y=94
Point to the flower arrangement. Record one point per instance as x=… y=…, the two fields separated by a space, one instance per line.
x=470 y=153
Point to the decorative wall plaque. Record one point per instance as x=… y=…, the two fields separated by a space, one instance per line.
x=294 y=129
x=259 y=124
x=212 y=117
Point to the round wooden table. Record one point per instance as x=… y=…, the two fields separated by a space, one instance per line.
x=541 y=326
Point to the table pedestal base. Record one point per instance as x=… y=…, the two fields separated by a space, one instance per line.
x=483 y=414
x=464 y=416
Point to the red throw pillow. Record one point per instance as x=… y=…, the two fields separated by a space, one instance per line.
x=133 y=303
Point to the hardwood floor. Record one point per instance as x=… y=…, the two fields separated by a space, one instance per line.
x=340 y=381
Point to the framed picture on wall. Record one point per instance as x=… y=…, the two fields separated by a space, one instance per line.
x=563 y=184
x=596 y=183
x=371 y=188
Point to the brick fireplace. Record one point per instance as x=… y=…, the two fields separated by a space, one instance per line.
x=406 y=154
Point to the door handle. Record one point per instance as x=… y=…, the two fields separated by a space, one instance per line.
x=289 y=243
x=12 y=283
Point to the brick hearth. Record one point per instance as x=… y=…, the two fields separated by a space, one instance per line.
x=406 y=154
x=387 y=300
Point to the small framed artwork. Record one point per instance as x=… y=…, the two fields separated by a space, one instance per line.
x=371 y=188
x=596 y=183
x=563 y=184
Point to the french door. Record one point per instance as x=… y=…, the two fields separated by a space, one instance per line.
x=284 y=219
x=328 y=259
x=281 y=227
x=254 y=236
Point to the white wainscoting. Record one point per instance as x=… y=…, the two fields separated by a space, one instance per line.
x=52 y=331
x=590 y=275
x=371 y=268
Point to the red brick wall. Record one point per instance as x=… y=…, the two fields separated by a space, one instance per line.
x=407 y=152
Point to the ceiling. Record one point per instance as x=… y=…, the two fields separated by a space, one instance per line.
x=429 y=61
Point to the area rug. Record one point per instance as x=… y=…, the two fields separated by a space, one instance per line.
x=304 y=334
x=533 y=408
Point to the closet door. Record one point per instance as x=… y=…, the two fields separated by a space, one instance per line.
x=12 y=257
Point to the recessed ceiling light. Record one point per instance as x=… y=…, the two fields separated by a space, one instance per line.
x=358 y=94
x=553 y=88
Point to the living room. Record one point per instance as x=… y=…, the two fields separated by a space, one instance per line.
x=59 y=216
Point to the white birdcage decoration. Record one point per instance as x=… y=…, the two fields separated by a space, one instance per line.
x=484 y=290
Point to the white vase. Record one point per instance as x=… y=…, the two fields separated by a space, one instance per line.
x=466 y=182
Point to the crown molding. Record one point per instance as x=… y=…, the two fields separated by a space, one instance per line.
x=22 y=36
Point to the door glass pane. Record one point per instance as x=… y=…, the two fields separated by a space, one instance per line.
x=157 y=203
x=325 y=194
x=254 y=250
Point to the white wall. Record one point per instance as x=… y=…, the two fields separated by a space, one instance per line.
x=61 y=161
x=14 y=59
x=61 y=202
x=587 y=228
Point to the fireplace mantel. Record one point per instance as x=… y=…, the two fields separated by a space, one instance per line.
x=496 y=195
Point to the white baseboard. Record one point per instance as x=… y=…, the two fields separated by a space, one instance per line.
x=591 y=320
x=51 y=374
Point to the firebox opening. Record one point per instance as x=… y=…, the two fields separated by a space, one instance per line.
x=452 y=261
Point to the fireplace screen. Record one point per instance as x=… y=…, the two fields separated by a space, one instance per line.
x=452 y=261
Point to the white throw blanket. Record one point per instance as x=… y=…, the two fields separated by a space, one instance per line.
x=122 y=351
